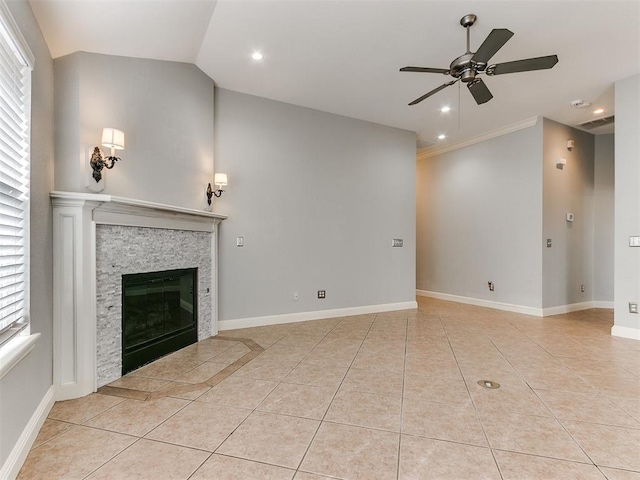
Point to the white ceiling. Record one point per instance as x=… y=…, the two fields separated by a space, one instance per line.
x=343 y=56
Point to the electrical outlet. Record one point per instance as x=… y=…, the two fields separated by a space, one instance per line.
x=295 y=296
x=582 y=288
x=633 y=307
x=321 y=294
x=491 y=286
x=397 y=242
x=548 y=243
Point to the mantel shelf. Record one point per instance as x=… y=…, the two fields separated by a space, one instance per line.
x=113 y=201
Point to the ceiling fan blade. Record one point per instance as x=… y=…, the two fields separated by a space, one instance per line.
x=424 y=70
x=494 y=42
x=435 y=90
x=480 y=92
x=527 y=65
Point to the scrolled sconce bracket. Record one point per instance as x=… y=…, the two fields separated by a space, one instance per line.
x=98 y=163
x=211 y=193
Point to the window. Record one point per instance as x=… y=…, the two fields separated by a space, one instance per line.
x=15 y=112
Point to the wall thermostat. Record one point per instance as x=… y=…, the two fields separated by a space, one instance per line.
x=569 y=217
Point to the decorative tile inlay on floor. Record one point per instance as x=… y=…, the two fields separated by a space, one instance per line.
x=173 y=390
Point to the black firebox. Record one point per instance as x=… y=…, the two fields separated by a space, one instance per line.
x=159 y=315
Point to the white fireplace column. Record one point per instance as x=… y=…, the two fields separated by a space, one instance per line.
x=75 y=216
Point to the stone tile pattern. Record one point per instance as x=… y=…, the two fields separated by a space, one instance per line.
x=122 y=250
x=387 y=396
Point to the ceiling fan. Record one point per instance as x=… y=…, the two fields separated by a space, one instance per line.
x=467 y=67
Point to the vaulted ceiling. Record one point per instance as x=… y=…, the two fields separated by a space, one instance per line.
x=343 y=56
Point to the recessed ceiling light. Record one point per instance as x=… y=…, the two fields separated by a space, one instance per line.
x=598 y=111
x=445 y=109
x=256 y=56
x=442 y=136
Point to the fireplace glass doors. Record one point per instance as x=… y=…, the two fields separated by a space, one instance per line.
x=159 y=315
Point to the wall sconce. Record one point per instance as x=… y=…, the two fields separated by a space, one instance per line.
x=561 y=162
x=571 y=144
x=113 y=139
x=220 y=180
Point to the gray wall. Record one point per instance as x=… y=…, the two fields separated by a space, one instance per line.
x=22 y=389
x=165 y=110
x=479 y=219
x=318 y=199
x=627 y=201
x=603 y=212
x=568 y=264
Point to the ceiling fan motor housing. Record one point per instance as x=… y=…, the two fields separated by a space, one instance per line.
x=465 y=68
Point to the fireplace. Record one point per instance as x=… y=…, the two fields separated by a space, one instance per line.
x=159 y=315
x=99 y=239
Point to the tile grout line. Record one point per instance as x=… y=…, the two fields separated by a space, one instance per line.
x=404 y=376
x=116 y=455
x=255 y=409
x=475 y=407
x=335 y=394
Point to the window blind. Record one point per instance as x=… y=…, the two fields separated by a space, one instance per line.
x=15 y=113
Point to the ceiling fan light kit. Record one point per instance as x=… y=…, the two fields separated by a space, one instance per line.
x=470 y=65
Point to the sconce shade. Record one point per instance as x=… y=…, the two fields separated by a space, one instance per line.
x=220 y=179
x=113 y=138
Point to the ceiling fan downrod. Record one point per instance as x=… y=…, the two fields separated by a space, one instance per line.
x=467 y=21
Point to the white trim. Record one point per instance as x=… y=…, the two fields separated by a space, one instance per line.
x=14 y=351
x=482 y=303
x=538 y=312
x=215 y=240
x=314 y=315
x=18 y=455
x=18 y=39
x=625 y=332
x=602 y=304
x=514 y=127
x=572 y=307
x=120 y=204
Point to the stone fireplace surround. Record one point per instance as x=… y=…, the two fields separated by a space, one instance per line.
x=97 y=238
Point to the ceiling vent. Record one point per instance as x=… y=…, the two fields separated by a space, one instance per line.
x=601 y=122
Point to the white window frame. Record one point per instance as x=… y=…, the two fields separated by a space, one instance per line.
x=21 y=341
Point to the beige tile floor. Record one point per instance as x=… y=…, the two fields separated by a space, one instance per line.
x=386 y=396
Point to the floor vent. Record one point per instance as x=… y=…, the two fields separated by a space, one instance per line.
x=597 y=123
x=488 y=384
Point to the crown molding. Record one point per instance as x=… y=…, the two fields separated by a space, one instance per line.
x=514 y=127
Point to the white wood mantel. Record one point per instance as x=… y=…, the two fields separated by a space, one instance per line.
x=75 y=216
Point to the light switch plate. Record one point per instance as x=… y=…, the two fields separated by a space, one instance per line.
x=240 y=242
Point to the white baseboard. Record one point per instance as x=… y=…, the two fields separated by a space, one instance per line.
x=482 y=303
x=572 y=307
x=602 y=304
x=315 y=315
x=625 y=332
x=18 y=455
x=575 y=307
x=538 y=312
